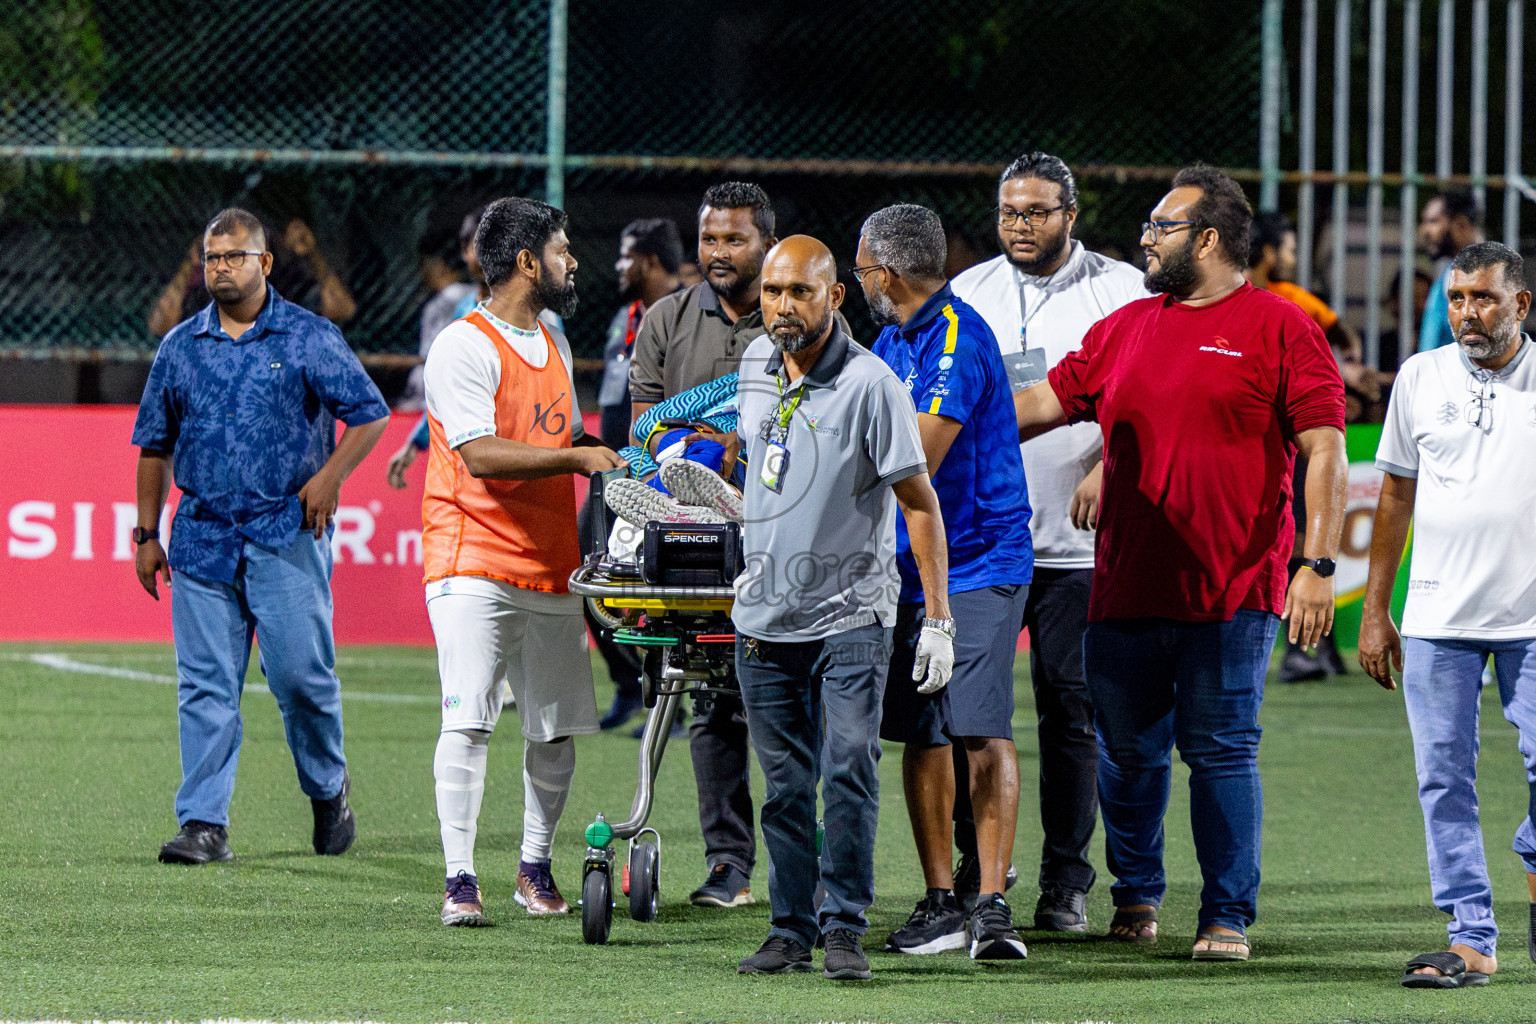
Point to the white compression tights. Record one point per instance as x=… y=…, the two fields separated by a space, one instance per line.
x=459 y=768
x=547 y=771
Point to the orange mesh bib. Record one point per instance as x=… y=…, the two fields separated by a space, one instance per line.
x=522 y=532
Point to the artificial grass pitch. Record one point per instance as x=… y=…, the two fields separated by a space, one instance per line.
x=91 y=927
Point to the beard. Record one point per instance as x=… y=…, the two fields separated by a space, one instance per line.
x=561 y=300
x=735 y=286
x=1048 y=249
x=791 y=334
x=1175 y=274
x=881 y=309
x=1491 y=341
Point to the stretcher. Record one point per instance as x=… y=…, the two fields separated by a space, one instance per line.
x=674 y=604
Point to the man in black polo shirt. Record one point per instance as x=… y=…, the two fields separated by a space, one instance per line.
x=689 y=338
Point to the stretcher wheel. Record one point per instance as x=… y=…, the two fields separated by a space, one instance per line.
x=644 y=881
x=596 y=906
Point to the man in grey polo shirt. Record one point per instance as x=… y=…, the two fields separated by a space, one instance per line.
x=831 y=436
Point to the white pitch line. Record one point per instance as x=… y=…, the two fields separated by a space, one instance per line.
x=64 y=663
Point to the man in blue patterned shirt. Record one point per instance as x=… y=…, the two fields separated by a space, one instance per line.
x=242 y=400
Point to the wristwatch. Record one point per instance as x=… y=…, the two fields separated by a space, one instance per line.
x=1322 y=566
x=140 y=535
x=945 y=626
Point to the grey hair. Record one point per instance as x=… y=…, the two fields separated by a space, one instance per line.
x=1492 y=254
x=907 y=238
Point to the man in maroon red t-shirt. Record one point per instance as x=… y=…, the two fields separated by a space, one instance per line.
x=1205 y=394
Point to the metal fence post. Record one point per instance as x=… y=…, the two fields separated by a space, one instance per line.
x=1269 y=107
x=1375 y=164
x=1514 y=56
x=1306 y=215
x=1479 y=143
x=554 y=131
x=1407 y=328
x=1338 y=295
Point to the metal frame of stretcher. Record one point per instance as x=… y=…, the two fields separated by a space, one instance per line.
x=689 y=644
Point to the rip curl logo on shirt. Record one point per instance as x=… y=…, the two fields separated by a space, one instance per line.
x=1221 y=346
x=1448 y=413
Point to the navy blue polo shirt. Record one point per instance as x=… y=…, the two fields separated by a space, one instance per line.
x=248 y=421
x=948 y=358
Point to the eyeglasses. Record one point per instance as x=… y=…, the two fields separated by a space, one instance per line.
x=1008 y=217
x=1158 y=228
x=859 y=272
x=234 y=259
x=1481 y=406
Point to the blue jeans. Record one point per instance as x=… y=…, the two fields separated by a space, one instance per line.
x=1155 y=682
x=1442 y=687
x=285 y=596
x=813 y=708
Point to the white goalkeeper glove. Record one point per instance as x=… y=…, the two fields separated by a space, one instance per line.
x=935 y=661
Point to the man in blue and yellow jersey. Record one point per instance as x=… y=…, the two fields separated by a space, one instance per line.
x=950 y=362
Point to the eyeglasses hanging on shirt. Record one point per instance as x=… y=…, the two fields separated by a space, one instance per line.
x=1480 y=409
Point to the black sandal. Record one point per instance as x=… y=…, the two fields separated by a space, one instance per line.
x=1452 y=968
x=1138 y=921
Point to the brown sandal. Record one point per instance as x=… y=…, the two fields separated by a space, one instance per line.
x=1141 y=926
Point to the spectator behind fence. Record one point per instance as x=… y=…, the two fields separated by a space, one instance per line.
x=1040 y=297
x=945 y=355
x=447 y=291
x=1391 y=339
x=1457 y=456
x=244 y=396
x=300 y=273
x=1203 y=395
x=650 y=252
x=1451 y=221
x=834 y=449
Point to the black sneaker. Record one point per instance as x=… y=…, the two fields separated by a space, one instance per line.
x=1328 y=656
x=968 y=881
x=727 y=886
x=1300 y=667
x=936 y=924
x=1061 y=910
x=620 y=711
x=777 y=956
x=992 y=933
x=335 y=824
x=844 y=960
x=197 y=843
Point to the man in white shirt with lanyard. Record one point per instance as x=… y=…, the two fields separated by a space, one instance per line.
x=1456 y=451
x=1040 y=297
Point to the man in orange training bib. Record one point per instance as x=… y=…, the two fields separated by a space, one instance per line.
x=499 y=543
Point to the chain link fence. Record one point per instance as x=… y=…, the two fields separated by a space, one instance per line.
x=125 y=125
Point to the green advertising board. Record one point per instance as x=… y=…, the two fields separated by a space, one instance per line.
x=1360 y=441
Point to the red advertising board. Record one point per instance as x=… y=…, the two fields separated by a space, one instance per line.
x=67 y=497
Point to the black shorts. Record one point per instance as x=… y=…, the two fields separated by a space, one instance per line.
x=979 y=698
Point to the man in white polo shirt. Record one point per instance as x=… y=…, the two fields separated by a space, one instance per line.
x=1457 y=450
x=1040 y=297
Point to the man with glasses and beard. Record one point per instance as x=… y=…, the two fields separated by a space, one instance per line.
x=1456 y=450
x=1040 y=297
x=499 y=543
x=834 y=449
x=1203 y=395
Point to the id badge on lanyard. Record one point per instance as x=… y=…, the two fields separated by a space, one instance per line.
x=776 y=433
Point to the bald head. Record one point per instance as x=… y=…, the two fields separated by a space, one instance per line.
x=800 y=291
x=803 y=258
